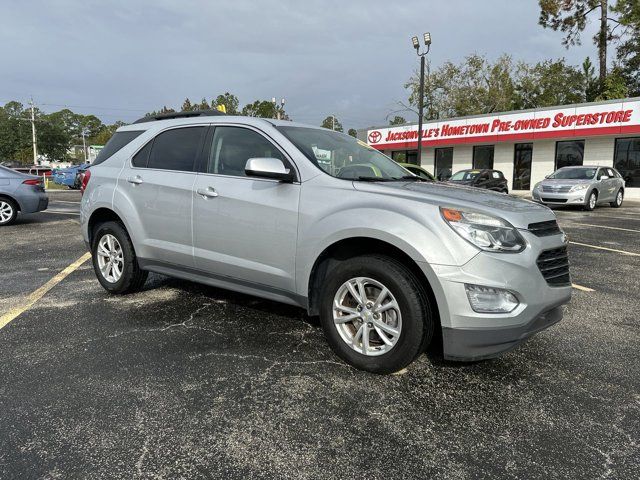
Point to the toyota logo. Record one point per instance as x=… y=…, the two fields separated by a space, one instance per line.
x=375 y=137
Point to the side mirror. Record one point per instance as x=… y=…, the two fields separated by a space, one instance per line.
x=268 y=168
x=604 y=177
x=547 y=176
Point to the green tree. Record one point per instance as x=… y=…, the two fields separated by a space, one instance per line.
x=204 y=105
x=332 y=123
x=571 y=17
x=475 y=86
x=230 y=102
x=353 y=132
x=615 y=86
x=546 y=84
x=186 y=106
x=591 y=85
x=260 y=108
x=397 y=120
x=628 y=54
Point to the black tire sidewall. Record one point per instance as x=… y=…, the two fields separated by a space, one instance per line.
x=417 y=325
x=14 y=213
x=118 y=231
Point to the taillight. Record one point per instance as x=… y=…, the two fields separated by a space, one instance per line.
x=85 y=180
x=32 y=181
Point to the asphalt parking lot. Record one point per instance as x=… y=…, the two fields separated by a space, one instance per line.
x=188 y=381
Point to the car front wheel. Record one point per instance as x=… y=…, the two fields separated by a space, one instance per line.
x=617 y=203
x=592 y=200
x=375 y=314
x=114 y=260
x=8 y=211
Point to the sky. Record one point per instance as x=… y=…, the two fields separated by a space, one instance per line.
x=121 y=59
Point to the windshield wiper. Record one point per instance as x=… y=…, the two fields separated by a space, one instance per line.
x=372 y=179
x=415 y=178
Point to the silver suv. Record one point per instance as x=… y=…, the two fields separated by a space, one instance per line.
x=318 y=219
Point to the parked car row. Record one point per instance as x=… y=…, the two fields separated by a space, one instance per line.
x=70 y=177
x=20 y=192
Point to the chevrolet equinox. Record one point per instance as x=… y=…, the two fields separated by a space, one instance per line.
x=318 y=219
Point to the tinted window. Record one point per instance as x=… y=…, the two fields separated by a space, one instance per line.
x=115 y=143
x=141 y=158
x=176 y=149
x=444 y=163
x=233 y=146
x=627 y=160
x=483 y=156
x=569 y=153
x=523 y=153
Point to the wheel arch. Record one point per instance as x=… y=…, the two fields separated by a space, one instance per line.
x=356 y=246
x=13 y=199
x=101 y=215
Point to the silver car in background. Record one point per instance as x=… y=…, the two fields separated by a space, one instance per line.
x=584 y=186
x=20 y=193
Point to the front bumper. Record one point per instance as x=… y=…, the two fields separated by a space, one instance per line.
x=556 y=198
x=468 y=335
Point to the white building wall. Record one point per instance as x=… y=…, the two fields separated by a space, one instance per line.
x=462 y=157
x=599 y=151
x=503 y=161
x=543 y=160
x=427 y=162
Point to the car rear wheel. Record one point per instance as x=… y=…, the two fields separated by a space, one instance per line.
x=592 y=200
x=8 y=211
x=617 y=203
x=114 y=260
x=375 y=314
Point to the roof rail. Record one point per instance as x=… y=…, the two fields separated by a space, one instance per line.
x=166 y=116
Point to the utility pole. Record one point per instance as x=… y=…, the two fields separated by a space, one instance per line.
x=33 y=133
x=416 y=45
x=333 y=122
x=84 y=145
x=278 y=109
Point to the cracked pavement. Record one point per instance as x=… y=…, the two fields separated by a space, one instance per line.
x=187 y=381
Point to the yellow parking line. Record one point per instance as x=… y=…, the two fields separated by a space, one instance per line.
x=40 y=292
x=603 y=226
x=580 y=287
x=607 y=249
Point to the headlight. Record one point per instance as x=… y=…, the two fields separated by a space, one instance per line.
x=488 y=233
x=580 y=186
x=537 y=186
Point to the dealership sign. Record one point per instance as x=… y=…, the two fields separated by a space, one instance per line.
x=604 y=119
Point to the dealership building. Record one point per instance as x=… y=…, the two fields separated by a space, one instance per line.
x=526 y=145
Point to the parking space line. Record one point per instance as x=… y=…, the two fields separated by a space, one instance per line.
x=580 y=287
x=603 y=226
x=607 y=249
x=53 y=200
x=60 y=212
x=40 y=292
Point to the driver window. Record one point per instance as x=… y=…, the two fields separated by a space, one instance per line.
x=601 y=172
x=231 y=147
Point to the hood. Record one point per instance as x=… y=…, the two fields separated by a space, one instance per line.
x=460 y=182
x=563 y=181
x=517 y=211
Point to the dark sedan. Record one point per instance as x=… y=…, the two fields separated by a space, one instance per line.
x=488 y=179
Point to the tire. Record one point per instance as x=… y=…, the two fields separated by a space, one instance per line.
x=131 y=278
x=617 y=203
x=8 y=211
x=415 y=320
x=591 y=201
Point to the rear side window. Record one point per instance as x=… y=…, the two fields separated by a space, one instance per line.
x=141 y=158
x=115 y=143
x=176 y=149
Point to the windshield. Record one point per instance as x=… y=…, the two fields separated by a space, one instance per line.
x=343 y=156
x=465 y=175
x=574 y=173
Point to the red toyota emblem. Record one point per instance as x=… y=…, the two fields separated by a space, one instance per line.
x=375 y=136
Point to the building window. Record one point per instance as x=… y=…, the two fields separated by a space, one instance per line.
x=523 y=153
x=569 y=153
x=627 y=160
x=405 y=156
x=444 y=163
x=483 y=157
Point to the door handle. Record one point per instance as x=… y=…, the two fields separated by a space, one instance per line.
x=137 y=180
x=208 y=192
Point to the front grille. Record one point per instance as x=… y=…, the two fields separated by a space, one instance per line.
x=544 y=229
x=554 y=266
x=560 y=189
x=553 y=200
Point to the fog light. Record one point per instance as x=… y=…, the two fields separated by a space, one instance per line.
x=490 y=300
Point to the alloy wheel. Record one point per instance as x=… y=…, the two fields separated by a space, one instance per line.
x=592 y=201
x=110 y=258
x=619 y=198
x=367 y=316
x=6 y=211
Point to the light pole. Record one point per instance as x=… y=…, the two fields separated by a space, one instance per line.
x=280 y=109
x=416 y=45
